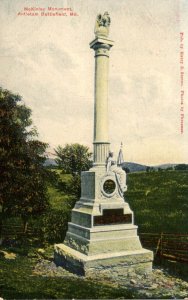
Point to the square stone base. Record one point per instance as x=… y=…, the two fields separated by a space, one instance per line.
x=108 y=264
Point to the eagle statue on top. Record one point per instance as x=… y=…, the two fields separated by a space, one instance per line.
x=102 y=25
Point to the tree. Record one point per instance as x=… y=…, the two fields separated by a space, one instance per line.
x=73 y=159
x=148 y=169
x=181 y=167
x=23 y=184
x=169 y=169
x=126 y=169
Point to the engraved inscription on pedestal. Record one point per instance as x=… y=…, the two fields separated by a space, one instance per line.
x=112 y=217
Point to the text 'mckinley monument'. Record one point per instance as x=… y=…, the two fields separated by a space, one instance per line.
x=101 y=236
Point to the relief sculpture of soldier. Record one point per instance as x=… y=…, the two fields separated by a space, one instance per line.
x=111 y=166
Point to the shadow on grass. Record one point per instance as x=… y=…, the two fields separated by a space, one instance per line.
x=18 y=282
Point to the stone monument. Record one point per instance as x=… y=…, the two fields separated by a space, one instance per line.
x=101 y=235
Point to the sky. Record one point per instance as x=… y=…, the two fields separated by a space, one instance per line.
x=48 y=61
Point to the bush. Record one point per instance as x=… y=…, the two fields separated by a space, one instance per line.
x=52 y=226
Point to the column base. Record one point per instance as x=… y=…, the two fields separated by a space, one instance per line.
x=107 y=264
x=101 y=152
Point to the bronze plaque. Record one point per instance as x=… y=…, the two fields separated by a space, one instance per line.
x=112 y=217
x=109 y=186
x=116 y=211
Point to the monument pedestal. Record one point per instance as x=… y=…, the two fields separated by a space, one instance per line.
x=101 y=235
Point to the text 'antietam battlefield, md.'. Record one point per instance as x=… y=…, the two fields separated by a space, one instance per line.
x=49 y=11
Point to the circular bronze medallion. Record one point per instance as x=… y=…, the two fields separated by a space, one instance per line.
x=109 y=186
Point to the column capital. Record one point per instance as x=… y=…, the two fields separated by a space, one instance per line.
x=100 y=42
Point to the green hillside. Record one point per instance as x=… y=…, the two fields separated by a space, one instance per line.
x=159 y=201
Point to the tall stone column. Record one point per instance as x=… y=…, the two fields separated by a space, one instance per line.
x=101 y=45
x=101 y=238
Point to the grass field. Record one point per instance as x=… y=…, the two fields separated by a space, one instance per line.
x=17 y=281
x=159 y=201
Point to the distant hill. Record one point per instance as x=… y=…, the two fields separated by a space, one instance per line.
x=165 y=166
x=50 y=162
x=134 y=167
